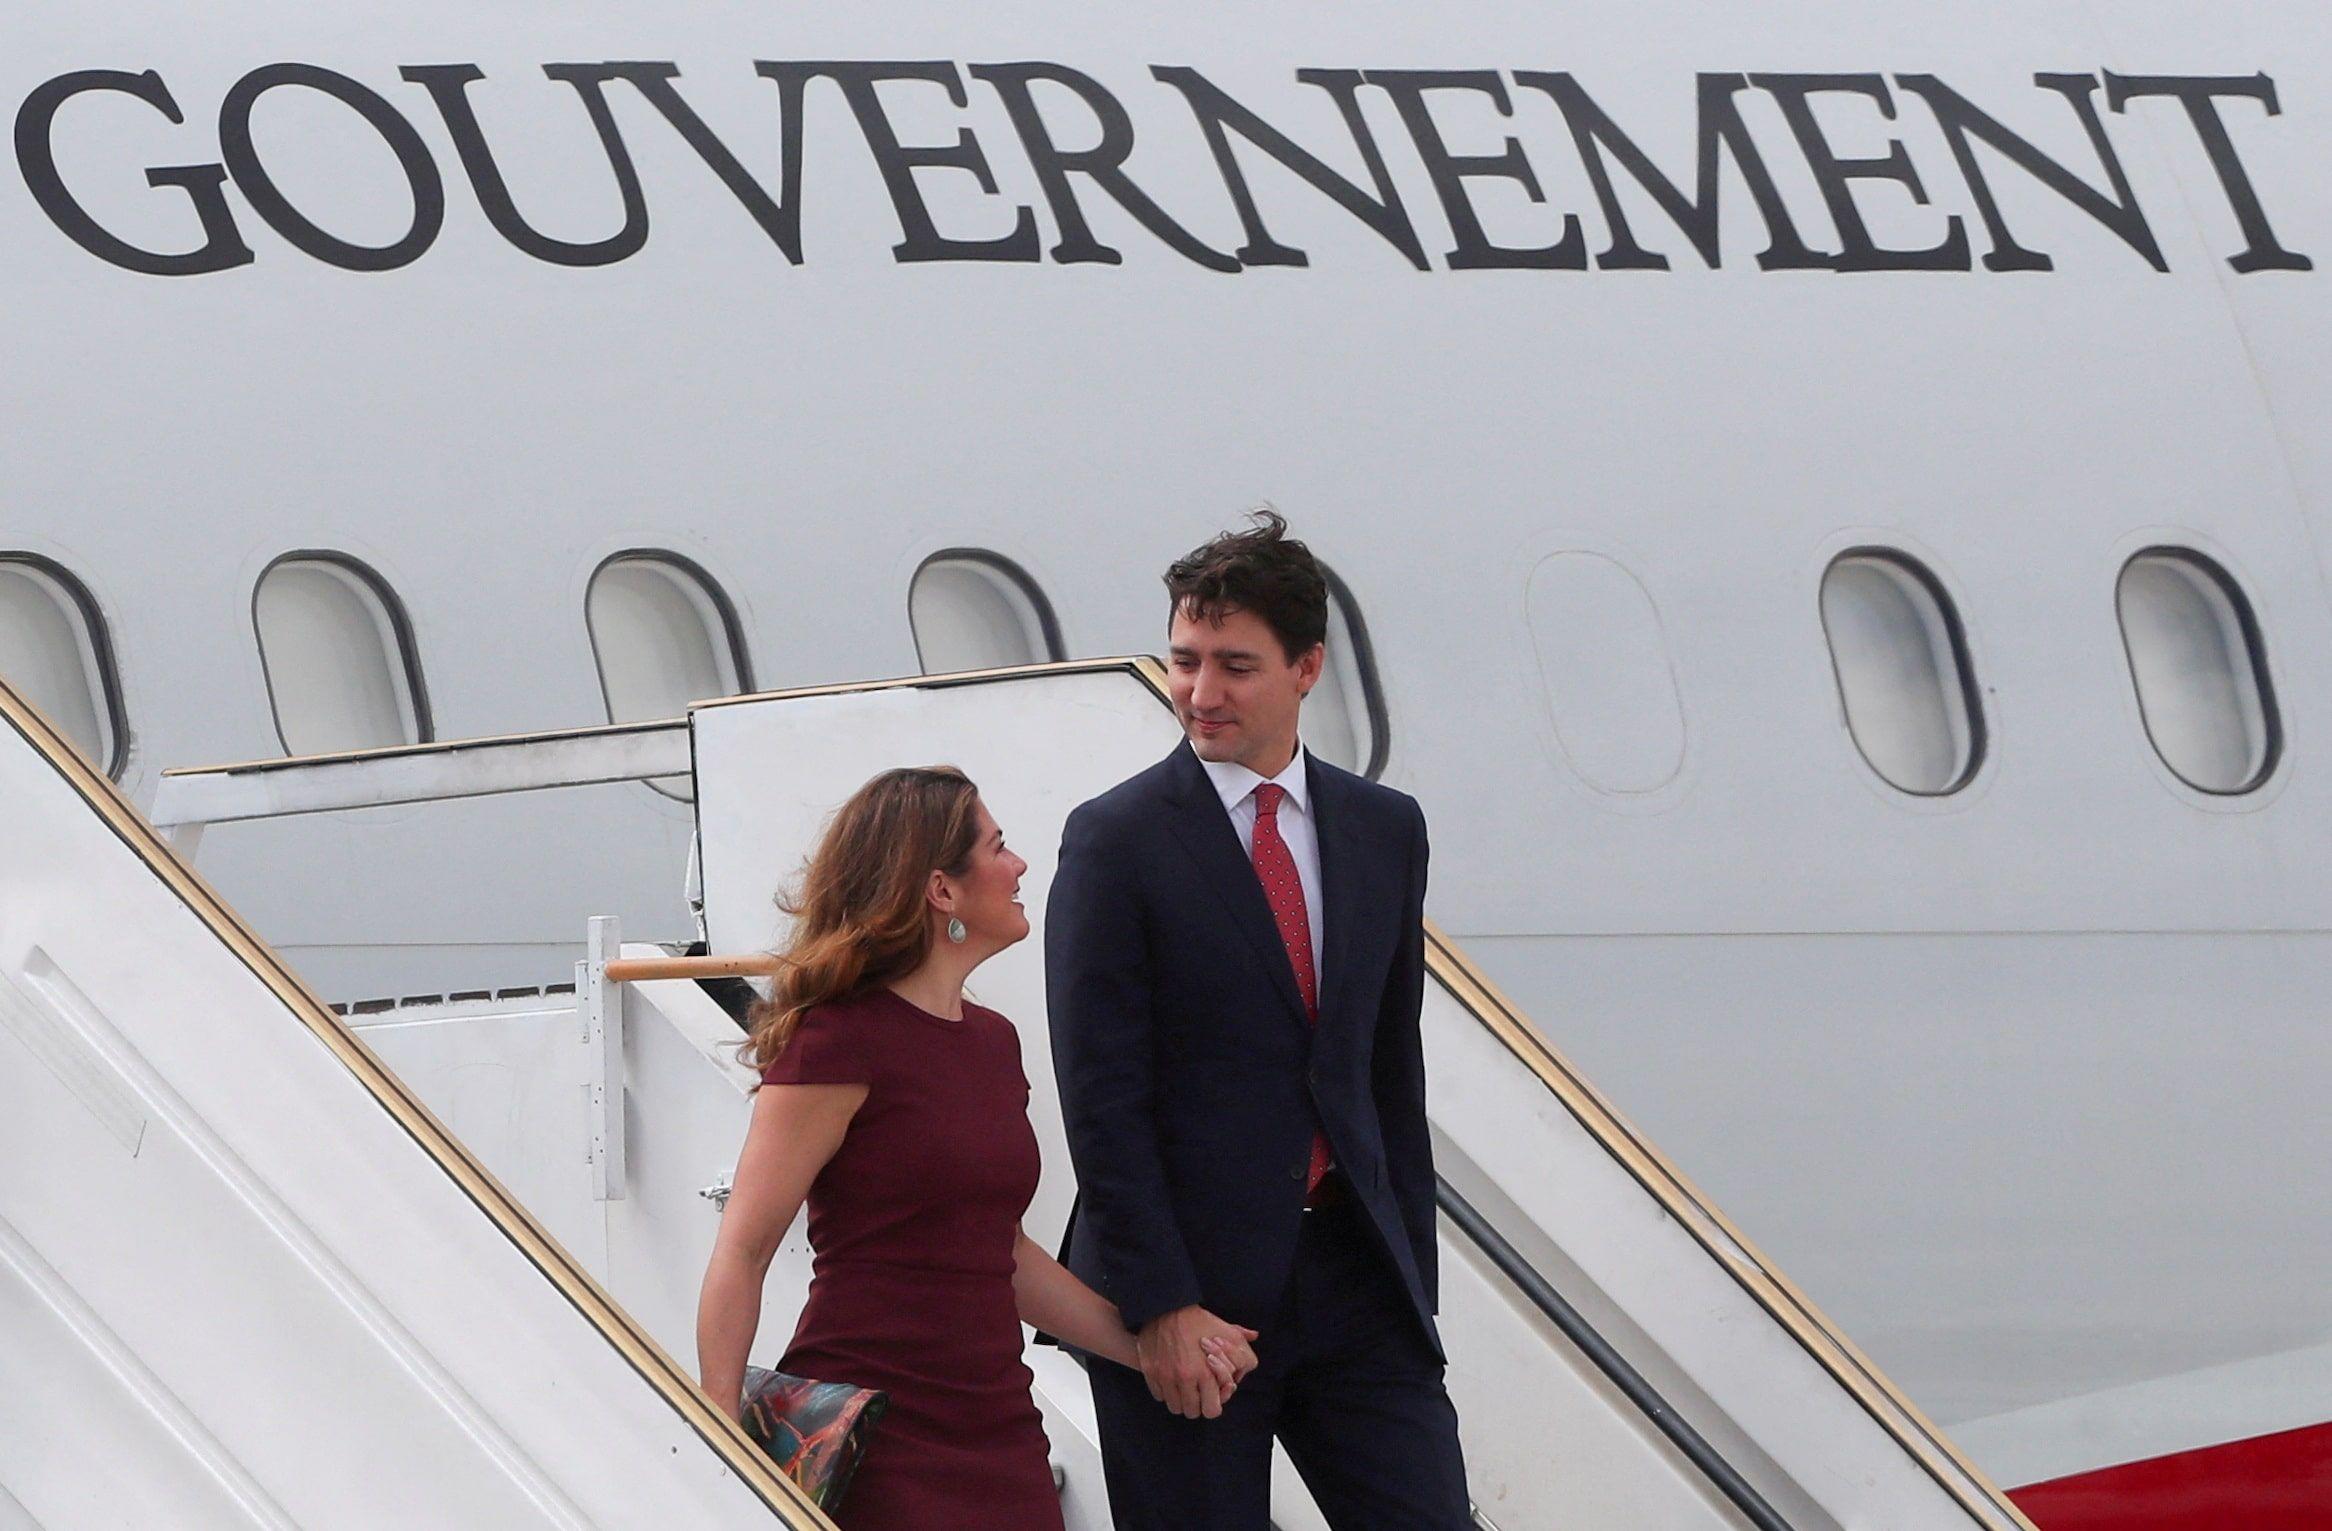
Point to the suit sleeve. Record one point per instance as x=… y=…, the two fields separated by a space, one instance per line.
x=1099 y=999
x=1400 y=1076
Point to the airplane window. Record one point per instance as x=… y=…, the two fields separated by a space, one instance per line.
x=971 y=610
x=1904 y=678
x=1344 y=717
x=1603 y=663
x=338 y=655
x=53 y=650
x=664 y=636
x=2200 y=670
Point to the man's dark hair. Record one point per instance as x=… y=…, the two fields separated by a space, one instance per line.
x=1262 y=570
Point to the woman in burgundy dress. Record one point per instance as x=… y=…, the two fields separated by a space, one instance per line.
x=899 y=1111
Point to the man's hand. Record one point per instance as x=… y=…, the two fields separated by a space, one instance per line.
x=1182 y=1367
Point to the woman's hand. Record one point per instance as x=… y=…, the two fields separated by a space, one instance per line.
x=1235 y=1357
x=1175 y=1359
x=1230 y=1360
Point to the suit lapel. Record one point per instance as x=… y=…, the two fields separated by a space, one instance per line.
x=1332 y=822
x=1205 y=831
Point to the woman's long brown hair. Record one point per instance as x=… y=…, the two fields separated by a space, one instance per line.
x=859 y=912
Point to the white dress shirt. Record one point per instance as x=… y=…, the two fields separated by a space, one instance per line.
x=1236 y=785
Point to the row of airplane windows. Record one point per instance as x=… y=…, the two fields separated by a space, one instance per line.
x=343 y=671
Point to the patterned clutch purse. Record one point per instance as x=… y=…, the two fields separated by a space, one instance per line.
x=816 y=1432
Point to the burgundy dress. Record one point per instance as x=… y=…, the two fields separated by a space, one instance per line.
x=912 y=1224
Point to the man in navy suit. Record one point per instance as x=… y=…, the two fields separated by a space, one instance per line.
x=1235 y=956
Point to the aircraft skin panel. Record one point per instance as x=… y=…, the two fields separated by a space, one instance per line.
x=248 y=1224
x=1714 y=427
x=1722 y=433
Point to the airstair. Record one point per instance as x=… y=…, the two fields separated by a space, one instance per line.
x=247 y=1278
x=447 y=1201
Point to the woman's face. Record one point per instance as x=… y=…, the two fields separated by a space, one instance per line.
x=988 y=892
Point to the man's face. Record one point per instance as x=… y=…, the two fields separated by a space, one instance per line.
x=1235 y=690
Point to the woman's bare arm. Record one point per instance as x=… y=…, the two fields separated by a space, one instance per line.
x=1051 y=1298
x=796 y=1128
x=1055 y=1301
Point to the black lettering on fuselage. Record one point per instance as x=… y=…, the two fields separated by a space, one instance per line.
x=1052 y=108
x=1219 y=116
x=1857 y=250
x=921 y=239
x=1721 y=128
x=1472 y=249
x=448 y=85
x=1104 y=164
x=222 y=246
x=1961 y=121
x=268 y=201
x=2199 y=95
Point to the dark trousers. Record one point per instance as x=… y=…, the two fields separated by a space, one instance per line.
x=1345 y=1380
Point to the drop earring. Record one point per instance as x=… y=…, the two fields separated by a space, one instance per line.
x=955 y=930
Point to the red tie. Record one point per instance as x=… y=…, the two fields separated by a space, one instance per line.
x=1283 y=890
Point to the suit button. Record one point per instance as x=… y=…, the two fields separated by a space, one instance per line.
x=1299 y=1172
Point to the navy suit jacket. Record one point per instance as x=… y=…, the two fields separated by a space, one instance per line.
x=1190 y=1077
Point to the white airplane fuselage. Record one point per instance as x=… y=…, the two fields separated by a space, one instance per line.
x=1579 y=348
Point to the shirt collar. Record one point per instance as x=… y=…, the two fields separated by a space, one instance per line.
x=1234 y=782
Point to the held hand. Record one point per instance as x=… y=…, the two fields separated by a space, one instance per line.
x=1175 y=1363
x=1226 y=1378
x=1236 y=1355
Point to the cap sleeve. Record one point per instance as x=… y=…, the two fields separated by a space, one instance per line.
x=827 y=1047
x=1019 y=1054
